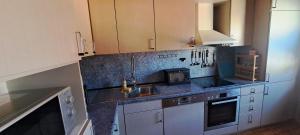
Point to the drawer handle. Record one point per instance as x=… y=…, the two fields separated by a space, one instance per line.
x=250 y=120
x=252 y=91
x=266 y=91
x=251 y=108
x=251 y=99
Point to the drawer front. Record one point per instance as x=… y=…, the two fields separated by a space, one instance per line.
x=251 y=99
x=249 y=120
x=252 y=90
x=250 y=108
x=142 y=106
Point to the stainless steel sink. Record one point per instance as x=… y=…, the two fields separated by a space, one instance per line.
x=143 y=91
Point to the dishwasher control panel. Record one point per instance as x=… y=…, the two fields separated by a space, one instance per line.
x=183 y=100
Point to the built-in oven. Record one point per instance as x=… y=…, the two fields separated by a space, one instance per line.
x=222 y=109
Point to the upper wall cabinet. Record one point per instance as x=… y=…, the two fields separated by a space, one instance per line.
x=83 y=26
x=135 y=23
x=104 y=29
x=285 y=5
x=174 y=23
x=38 y=36
x=234 y=18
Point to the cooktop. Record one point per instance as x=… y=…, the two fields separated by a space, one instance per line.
x=209 y=82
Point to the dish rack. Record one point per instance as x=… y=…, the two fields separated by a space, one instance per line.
x=246 y=66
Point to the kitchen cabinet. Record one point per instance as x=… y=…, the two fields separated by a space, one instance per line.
x=279 y=102
x=135 y=25
x=184 y=119
x=284 y=41
x=174 y=23
x=36 y=37
x=83 y=25
x=234 y=18
x=277 y=39
x=104 y=28
x=118 y=124
x=250 y=107
x=88 y=129
x=285 y=5
x=144 y=123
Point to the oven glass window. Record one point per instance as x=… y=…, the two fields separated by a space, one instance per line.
x=219 y=114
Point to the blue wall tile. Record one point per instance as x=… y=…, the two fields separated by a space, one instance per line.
x=109 y=70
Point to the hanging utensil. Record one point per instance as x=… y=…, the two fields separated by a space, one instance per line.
x=192 y=56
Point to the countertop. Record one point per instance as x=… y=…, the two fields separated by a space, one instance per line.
x=16 y=105
x=102 y=103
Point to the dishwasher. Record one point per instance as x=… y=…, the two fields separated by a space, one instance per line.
x=184 y=115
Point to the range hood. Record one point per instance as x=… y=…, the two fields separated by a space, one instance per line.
x=205 y=33
x=212 y=37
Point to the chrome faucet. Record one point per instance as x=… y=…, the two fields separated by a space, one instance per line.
x=133 y=77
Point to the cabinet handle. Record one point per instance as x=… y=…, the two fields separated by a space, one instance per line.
x=250 y=120
x=83 y=44
x=268 y=77
x=79 y=43
x=94 y=47
x=252 y=91
x=251 y=99
x=159 y=118
x=266 y=91
x=251 y=108
x=274 y=3
x=151 y=44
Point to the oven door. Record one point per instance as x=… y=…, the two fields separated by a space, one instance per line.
x=221 y=113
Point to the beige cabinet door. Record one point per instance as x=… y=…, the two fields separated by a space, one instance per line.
x=135 y=20
x=36 y=35
x=83 y=24
x=104 y=26
x=241 y=21
x=174 y=23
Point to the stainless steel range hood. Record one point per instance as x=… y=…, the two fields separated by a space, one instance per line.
x=205 y=33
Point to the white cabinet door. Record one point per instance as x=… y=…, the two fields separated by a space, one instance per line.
x=284 y=43
x=278 y=104
x=249 y=120
x=286 y=5
x=184 y=120
x=144 y=123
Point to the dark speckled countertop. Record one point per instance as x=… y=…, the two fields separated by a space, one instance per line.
x=102 y=103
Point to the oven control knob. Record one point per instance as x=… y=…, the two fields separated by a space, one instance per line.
x=69 y=99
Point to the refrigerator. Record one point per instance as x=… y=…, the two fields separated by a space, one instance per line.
x=282 y=61
x=283 y=48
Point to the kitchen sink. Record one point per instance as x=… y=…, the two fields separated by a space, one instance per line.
x=143 y=91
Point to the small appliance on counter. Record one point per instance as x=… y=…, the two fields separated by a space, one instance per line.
x=177 y=76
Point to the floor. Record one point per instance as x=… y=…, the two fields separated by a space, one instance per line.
x=286 y=128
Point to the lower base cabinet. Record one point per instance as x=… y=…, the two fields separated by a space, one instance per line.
x=279 y=102
x=144 y=123
x=250 y=107
x=184 y=120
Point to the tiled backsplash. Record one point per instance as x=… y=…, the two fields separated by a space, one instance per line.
x=109 y=70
